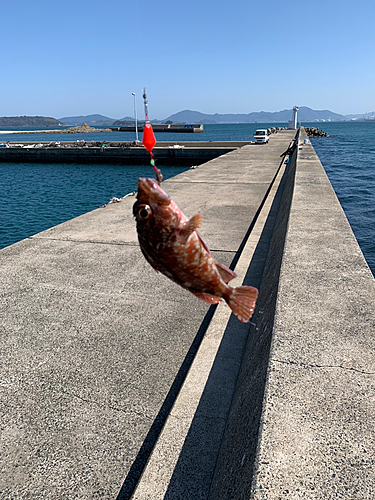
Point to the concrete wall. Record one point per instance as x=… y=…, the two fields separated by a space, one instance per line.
x=235 y=465
x=182 y=153
x=302 y=419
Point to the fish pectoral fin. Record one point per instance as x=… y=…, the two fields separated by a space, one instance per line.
x=206 y=297
x=225 y=273
x=190 y=226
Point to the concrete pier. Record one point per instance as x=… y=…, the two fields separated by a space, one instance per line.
x=302 y=418
x=167 y=153
x=116 y=383
x=163 y=127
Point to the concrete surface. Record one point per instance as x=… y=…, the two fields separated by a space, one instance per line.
x=301 y=425
x=95 y=345
x=184 y=457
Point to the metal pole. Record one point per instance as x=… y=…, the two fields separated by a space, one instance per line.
x=135 y=117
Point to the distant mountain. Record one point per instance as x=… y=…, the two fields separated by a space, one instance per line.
x=89 y=119
x=304 y=114
x=128 y=120
x=29 y=121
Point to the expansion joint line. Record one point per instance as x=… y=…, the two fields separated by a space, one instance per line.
x=306 y=365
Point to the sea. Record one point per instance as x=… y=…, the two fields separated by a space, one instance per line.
x=34 y=197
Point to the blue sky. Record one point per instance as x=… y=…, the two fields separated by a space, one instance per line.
x=82 y=57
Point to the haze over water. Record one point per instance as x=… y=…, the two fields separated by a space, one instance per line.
x=34 y=197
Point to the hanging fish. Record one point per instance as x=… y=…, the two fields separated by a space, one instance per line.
x=172 y=245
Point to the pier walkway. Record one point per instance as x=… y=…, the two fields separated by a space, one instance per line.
x=116 y=383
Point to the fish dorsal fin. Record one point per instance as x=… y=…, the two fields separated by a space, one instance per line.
x=225 y=273
x=190 y=226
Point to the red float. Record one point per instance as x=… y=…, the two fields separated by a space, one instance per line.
x=148 y=139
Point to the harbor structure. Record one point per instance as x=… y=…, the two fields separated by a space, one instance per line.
x=130 y=387
x=162 y=127
x=293 y=122
x=126 y=153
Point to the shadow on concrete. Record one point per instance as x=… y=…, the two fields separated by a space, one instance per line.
x=145 y=451
x=248 y=232
x=231 y=404
x=236 y=461
x=194 y=470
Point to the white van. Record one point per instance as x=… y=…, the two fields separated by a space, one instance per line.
x=261 y=136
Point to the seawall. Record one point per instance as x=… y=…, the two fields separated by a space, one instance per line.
x=118 y=384
x=168 y=153
x=163 y=127
x=301 y=423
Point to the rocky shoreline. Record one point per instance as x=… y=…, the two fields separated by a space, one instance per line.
x=84 y=128
x=310 y=131
x=315 y=132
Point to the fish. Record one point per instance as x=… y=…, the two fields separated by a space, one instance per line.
x=172 y=245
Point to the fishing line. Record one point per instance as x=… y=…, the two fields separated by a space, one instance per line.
x=148 y=139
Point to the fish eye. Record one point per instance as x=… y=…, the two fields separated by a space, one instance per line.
x=144 y=212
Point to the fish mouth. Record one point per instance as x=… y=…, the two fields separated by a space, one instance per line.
x=150 y=188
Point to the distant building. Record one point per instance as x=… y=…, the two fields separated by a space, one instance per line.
x=292 y=124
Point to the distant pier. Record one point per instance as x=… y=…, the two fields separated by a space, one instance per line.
x=163 y=127
x=166 y=153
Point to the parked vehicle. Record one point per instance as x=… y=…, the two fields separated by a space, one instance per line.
x=261 y=136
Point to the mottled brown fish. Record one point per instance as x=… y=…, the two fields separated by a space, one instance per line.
x=172 y=245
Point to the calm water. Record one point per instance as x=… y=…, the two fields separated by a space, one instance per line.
x=348 y=156
x=34 y=197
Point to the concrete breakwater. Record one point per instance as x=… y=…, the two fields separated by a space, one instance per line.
x=162 y=127
x=315 y=132
x=167 y=153
x=117 y=383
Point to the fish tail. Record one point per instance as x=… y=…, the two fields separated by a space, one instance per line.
x=242 y=301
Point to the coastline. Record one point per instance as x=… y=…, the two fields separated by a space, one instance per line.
x=346 y=155
x=56 y=131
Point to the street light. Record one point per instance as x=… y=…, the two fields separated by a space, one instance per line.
x=135 y=116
